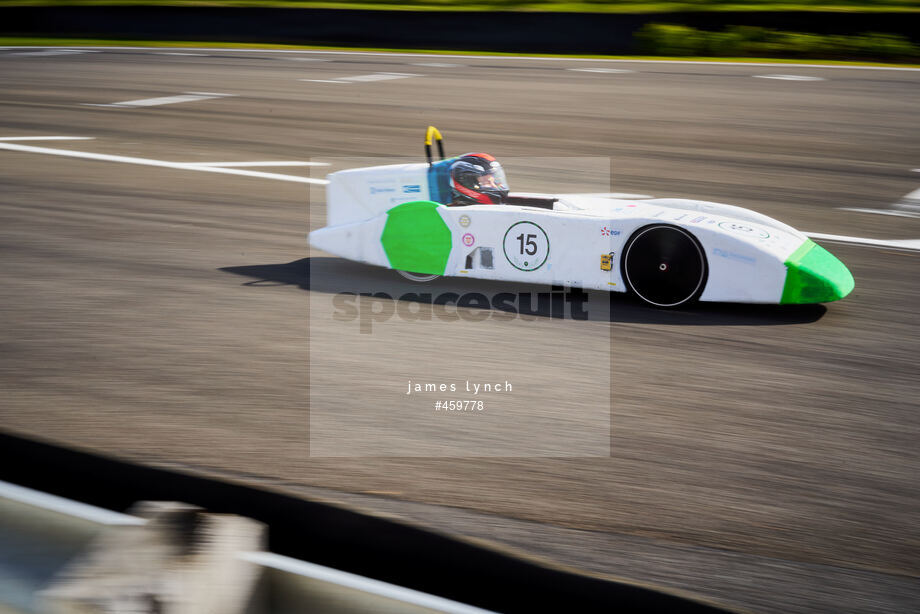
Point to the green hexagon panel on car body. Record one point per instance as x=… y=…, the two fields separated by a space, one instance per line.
x=416 y=239
x=814 y=275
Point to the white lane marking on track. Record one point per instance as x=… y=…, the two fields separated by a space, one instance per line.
x=49 y=52
x=489 y=57
x=380 y=76
x=185 y=166
x=909 y=202
x=908 y=244
x=907 y=206
x=47 y=138
x=881 y=211
x=377 y=76
x=179 y=53
x=601 y=70
x=436 y=64
x=790 y=77
x=261 y=163
x=152 y=102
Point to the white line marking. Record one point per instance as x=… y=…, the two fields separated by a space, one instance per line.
x=212 y=94
x=184 y=166
x=395 y=592
x=908 y=244
x=881 y=211
x=377 y=76
x=380 y=76
x=152 y=102
x=490 y=57
x=266 y=163
x=908 y=206
x=179 y=53
x=436 y=64
x=601 y=70
x=47 y=138
x=53 y=503
x=49 y=52
x=790 y=77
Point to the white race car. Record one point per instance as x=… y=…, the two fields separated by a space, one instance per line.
x=429 y=219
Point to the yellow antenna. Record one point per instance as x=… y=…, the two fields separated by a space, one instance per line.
x=433 y=132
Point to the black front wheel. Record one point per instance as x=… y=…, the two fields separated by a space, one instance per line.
x=664 y=265
x=417 y=277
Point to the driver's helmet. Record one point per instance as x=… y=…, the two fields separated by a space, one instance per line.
x=477 y=178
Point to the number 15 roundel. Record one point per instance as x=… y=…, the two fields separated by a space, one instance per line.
x=526 y=246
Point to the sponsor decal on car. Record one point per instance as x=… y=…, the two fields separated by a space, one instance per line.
x=464 y=220
x=469 y=240
x=607 y=232
x=607 y=261
x=411 y=189
x=734 y=256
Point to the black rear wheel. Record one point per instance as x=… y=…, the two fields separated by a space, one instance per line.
x=664 y=266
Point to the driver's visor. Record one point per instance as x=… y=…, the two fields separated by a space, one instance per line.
x=494 y=179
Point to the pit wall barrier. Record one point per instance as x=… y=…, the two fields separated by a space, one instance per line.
x=504 y=31
x=333 y=539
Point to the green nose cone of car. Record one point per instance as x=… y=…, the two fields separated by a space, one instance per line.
x=814 y=275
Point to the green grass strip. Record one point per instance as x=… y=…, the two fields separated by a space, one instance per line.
x=672 y=39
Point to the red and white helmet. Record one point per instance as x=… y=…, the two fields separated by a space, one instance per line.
x=478 y=178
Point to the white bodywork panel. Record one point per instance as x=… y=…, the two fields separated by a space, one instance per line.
x=745 y=250
x=362 y=193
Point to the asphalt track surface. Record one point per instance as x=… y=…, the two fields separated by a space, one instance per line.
x=761 y=457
